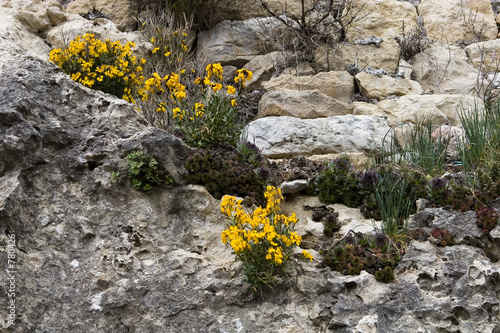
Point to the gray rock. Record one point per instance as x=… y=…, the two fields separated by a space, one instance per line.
x=280 y=137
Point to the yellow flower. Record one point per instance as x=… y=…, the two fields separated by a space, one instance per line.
x=307 y=255
x=167 y=54
x=155 y=50
x=233 y=103
x=230 y=90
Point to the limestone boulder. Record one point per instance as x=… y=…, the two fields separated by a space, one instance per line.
x=385 y=19
x=37 y=15
x=458 y=20
x=120 y=12
x=445 y=69
x=440 y=109
x=237 y=42
x=385 y=56
x=302 y=104
x=484 y=55
x=285 y=137
x=263 y=68
x=17 y=35
x=380 y=87
x=60 y=36
x=336 y=84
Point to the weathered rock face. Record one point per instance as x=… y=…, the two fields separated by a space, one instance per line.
x=458 y=20
x=385 y=56
x=440 y=109
x=280 y=137
x=301 y=104
x=237 y=42
x=445 y=69
x=384 y=19
x=484 y=55
x=373 y=86
x=336 y=84
x=119 y=11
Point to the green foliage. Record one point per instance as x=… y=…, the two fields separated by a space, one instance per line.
x=144 y=172
x=395 y=201
x=223 y=171
x=371 y=252
x=337 y=183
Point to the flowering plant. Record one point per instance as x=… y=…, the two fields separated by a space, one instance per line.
x=205 y=118
x=264 y=240
x=102 y=65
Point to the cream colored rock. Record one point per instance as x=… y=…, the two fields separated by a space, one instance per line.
x=304 y=104
x=373 y=86
x=358 y=160
x=379 y=18
x=263 y=67
x=444 y=69
x=439 y=109
x=484 y=55
x=38 y=15
x=363 y=108
x=237 y=42
x=386 y=56
x=120 y=11
x=61 y=35
x=336 y=84
x=458 y=20
x=17 y=34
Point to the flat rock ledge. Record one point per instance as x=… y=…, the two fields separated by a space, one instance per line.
x=286 y=137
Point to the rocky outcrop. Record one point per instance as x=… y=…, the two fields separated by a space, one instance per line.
x=303 y=104
x=237 y=42
x=120 y=11
x=484 y=55
x=280 y=137
x=384 y=19
x=381 y=87
x=445 y=69
x=385 y=55
x=458 y=20
x=336 y=84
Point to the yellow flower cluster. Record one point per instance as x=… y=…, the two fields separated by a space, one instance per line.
x=103 y=65
x=266 y=232
x=171 y=45
x=242 y=76
x=155 y=85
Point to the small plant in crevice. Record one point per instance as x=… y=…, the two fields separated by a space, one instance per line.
x=337 y=183
x=222 y=170
x=375 y=253
x=441 y=237
x=144 y=172
x=487 y=219
x=262 y=240
x=329 y=217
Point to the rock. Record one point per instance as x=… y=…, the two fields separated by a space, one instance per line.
x=303 y=104
x=263 y=68
x=61 y=35
x=484 y=55
x=336 y=84
x=373 y=86
x=440 y=109
x=120 y=11
x=386 y=56
x=284 y=137
x=383 y=19
x=294 y=186
x=444 y=69
x=405 y=69
x=458 y=20
x=39 y=15
x=237 y=42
